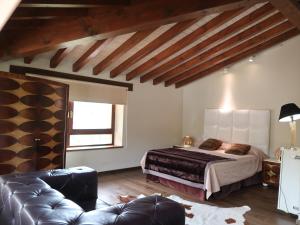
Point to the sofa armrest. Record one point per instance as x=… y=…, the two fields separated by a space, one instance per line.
x=152 y=210
x=79 y=184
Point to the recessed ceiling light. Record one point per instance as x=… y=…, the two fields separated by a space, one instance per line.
x=251 y=59
x=226 y=69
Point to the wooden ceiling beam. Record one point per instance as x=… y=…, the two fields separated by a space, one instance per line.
x=273 y=32
x=184 y=42
x=90 y=53
x=25 y=13
x=243 y=22
x=114 y=22
x=121 y=50
x=77 y=2
x=289 y=8
x=28 y=59
x=31 y=13
x=22 y=25
x=260 y=47
x=50 y=73
x=152 y=46
x=5 y=57
x=238 y=38
x=58 y=57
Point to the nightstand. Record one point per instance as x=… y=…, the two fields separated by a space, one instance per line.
x=271 y=172
x=178 y=146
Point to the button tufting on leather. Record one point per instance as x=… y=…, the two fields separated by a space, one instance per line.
x=79 y=186
x=51 y=173
x=53 y=206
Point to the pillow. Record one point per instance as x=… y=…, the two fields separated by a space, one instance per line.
x=211 y=144
x=238 y=149
x=224 y=146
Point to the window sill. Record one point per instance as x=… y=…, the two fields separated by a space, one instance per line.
x=91 y=148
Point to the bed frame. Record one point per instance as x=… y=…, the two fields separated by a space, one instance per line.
x=238 y=126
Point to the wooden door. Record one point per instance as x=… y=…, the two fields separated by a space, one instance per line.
x=33 y=114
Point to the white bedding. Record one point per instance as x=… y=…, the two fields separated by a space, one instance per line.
x=221 y=173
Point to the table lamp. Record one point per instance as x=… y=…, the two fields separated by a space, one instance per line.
x=290 y=113
x=187 y=141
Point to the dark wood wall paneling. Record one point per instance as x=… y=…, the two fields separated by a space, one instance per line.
x=29 y=137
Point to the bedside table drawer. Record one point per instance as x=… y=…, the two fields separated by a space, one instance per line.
x=271 y=173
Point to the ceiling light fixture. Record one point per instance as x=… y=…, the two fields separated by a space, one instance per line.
x=251 y=59
x=226 y=70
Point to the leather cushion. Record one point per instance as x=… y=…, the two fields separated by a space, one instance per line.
x=152 y=210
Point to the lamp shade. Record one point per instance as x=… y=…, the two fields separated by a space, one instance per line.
x=289 y=112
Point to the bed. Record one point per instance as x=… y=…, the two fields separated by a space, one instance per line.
x=215 y=174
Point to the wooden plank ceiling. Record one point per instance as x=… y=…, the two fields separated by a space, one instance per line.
x=164 y=41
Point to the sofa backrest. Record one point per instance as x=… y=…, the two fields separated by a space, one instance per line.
x=31 y=201
x=79 y=184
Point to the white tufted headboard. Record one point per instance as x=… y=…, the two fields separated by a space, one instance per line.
x=239 y=126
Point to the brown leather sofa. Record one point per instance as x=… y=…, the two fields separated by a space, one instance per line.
x=69 y=196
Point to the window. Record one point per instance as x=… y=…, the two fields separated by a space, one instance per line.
x=91 y=124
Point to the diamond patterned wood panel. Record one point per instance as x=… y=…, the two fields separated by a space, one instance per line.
x=32 y=123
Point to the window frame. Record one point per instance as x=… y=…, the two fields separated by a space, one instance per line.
x=71 y=131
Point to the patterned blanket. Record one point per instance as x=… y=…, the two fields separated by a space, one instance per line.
x=187 y=165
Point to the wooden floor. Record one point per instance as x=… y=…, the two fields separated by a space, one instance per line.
x=261 y=200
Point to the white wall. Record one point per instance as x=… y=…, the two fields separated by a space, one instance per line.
x=154 y=116
x=153 y=121
x=273 y=80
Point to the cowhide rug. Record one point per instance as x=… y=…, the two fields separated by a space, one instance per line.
x=202 y=214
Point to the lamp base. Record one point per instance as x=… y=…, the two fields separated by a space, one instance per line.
x=293 y=134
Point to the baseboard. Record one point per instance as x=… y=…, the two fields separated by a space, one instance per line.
x=120 y=170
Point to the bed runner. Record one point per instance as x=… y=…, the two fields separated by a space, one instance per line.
x=187 y=165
